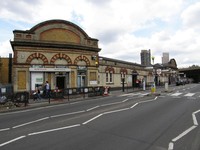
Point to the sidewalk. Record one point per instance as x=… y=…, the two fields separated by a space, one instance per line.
x=46 y=102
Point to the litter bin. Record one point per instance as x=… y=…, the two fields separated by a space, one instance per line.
x=153 y=88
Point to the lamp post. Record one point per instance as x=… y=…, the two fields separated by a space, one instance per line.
x=153 y=88
x=123 y=84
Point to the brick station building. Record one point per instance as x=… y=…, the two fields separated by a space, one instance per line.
x=62 y=53
x=56 y=51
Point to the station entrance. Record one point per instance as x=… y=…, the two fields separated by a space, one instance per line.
x=60 y=82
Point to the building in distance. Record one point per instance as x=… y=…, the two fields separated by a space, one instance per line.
x=145 y=57
x=165 y=58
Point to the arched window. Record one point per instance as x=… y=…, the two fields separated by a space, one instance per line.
x=109 y=74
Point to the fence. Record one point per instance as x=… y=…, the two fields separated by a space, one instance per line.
x=7 y=94
x=78 y=92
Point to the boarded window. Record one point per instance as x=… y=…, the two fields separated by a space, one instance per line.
x=21 y=80
x=93 y=76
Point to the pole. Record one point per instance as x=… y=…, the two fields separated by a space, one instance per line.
x=123 y=84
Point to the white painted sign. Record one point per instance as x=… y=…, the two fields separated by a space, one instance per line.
x=50 y=69
x=93 y=82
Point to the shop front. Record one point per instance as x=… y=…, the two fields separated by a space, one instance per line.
x=58 y=78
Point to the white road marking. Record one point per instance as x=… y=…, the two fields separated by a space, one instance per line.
x=176 y=94
x=125 y=100
x=183 y=134
x=92 y=108
x=129 y=94
x=134 y=105
x=92 y=119
x=171 y=144
x=67 y=127
x=189 y=94
x=114 y=111
x=13 y=140
x=111 y=104
x=194 y=117
x=151 y=100
x=21 y=125
x=52 y=130
x=6 y=129
x=72 y=113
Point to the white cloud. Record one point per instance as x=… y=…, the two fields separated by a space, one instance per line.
x=123 y=28
x=5 y=48
x=190 y=16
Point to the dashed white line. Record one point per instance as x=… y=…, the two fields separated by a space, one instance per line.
x=6 y=129
x=13 y=140
x=92 y=108
x=125 y=100
x=183 y=134
x=72 y=113
x=67 y=127
x=111 y=104
x=114 y=111
x=30 y=122
x=134 y=105
x=92 y=119
x=52 y=130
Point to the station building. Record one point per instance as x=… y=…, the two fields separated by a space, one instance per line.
x=56 y=51
x=62 y=53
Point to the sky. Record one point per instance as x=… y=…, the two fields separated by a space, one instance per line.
x=123 y=27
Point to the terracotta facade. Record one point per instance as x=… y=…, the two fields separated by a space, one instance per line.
x=57 y=51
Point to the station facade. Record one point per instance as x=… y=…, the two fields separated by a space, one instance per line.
x=62 y=53
x=56 y=51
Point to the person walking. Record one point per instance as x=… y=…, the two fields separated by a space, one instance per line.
x=47 y=88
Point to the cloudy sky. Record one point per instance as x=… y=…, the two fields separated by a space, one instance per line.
x=123 y=27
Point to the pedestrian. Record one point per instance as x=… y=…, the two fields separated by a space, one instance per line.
x=38 y=93
x=47 y=88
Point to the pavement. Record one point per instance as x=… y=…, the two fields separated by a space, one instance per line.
x=45 y=102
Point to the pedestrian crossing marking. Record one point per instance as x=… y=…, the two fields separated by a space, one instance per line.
x=189 y=94
x=176 y=94
x=134 y=94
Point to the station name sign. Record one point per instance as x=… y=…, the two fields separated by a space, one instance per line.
x=50 y=69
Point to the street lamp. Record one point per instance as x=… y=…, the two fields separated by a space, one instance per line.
x=123 y=83
x=153 y=88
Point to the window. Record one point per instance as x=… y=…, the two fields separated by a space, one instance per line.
x=109 y=77
x=106 y=77
x=109 y=74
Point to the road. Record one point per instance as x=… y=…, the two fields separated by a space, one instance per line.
x=131 y=121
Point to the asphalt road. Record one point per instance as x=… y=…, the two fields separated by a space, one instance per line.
x=124 y=122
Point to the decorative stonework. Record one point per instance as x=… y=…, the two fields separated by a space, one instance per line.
x=110 y=69
x=37 y=56
x=82 y=58
x=123 y=70
x=61 y=56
